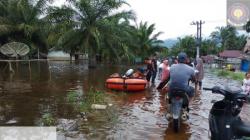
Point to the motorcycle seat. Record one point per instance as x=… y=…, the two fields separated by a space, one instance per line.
x=176 y=92
x=241 y=128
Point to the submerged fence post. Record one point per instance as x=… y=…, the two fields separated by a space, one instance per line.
x=29 y=70
x=10 y=67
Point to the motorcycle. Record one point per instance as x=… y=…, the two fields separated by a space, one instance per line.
x=224 y=120
x=178 y=102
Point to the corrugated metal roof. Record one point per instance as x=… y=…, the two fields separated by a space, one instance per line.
x=230 y=54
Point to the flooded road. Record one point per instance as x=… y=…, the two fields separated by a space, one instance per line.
x=30 y=93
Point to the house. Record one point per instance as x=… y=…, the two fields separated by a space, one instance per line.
x=208 y=58
x=58 y=55
x=230 y=54
x=231 y=57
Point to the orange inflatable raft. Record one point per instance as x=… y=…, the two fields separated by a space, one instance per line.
x=126 y=84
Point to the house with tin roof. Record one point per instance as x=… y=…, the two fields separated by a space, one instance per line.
x=230 y=58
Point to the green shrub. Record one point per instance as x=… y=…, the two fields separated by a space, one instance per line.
x=229 y=74
x=237 y=76
x=84 y=103
x=72 y=96
x=48 y=120
x=223 y=73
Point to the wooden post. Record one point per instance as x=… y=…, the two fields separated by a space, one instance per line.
x=17 y=64
x=49 y=71
x=10 y=67
x=29 y=70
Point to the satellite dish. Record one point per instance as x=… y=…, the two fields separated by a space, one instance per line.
x=15 y=49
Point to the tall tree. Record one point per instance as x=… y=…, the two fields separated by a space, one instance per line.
x=186 y=44
x=227 y=36
x=92 y=20
x=147 y=43
x=21 y=20
x=59 y=20
x=208 y=46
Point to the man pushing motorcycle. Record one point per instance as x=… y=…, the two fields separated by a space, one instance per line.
x=179 y=91
x=180 y=74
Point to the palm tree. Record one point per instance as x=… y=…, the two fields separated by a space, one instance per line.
x=59 y=20
x=208 y=47
x=118 y=44
x=147 y=42
x=227 y=36
x=93 y=20
x=186 y=44
x=20 y=20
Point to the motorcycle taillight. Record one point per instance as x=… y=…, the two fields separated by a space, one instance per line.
x=177 y=98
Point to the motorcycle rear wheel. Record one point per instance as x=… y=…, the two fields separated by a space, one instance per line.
x=176 y=125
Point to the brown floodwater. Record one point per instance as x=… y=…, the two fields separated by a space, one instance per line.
x=28 y=94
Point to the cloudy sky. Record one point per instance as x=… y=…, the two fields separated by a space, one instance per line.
x=173 y=17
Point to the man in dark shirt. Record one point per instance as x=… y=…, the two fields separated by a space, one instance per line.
x=154 y=70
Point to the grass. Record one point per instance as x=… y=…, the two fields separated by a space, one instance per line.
x=239 y=76
x=72 y=96
x=48 y=120
x=83 y=103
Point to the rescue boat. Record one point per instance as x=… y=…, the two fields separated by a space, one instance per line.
x=126 y=84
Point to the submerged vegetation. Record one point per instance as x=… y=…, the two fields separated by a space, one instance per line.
x=83 y=104
x=48 y=120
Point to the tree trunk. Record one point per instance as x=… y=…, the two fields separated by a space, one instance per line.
x=76 y=57
x=71 y=55
x=92 y=61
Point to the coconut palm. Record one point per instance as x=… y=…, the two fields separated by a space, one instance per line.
x=59 y=20
x=227 y=36
x=147 y=43
x=186 y=44
x=118 y=41
x=20 y=20
x=208 y=47
x=94 y=23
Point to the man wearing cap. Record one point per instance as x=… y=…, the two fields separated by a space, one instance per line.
x=180 y=74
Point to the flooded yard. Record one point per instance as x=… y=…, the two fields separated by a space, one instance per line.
x=27 y=95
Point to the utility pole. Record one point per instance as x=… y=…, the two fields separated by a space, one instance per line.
x=198 y=36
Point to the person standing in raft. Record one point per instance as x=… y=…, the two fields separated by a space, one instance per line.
x=164 y=75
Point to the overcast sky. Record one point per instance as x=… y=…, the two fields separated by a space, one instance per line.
x=173 y=17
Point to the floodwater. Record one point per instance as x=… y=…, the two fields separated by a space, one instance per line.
x=28 y=94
